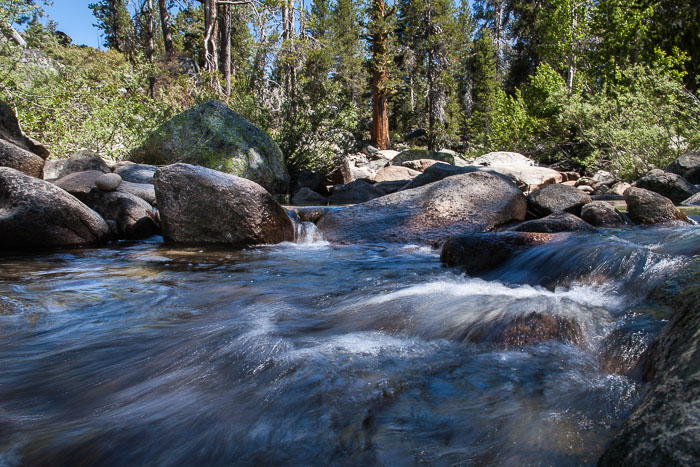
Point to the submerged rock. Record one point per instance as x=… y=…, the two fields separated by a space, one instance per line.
x=37 y=214
x=200 y=205
x=214 y=136
x=557 y=222
x=474 y=202
x=479 y=252
x=647 y=207
x=553 y=198
x=663 y=429
x=670 y=185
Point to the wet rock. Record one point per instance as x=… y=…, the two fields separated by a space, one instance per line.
x=15 y=157
x=557 y=222
x=393 y=173
x=127 y=215
x=108 y=182
x=474 y=202
x=692 y=201
x=10 y=131
x=135 y=173
x=687 y=166
x=79 y=184
x=663 y=429
x=310 y=214
x=647 y=207
x=200 y=205
x=601 y=214
x=307 y=197
x=532 y=328
x=82 y=161
x=214 y=136
x=503 y=158
x=622 y=351
x=670 y=185
x=479 y=252
x=37 y=214
x=553 y=198
x=355 y=192
x=420 y=164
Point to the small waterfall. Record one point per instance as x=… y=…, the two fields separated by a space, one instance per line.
x=307 y=234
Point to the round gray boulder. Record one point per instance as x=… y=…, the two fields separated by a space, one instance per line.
x=108 y=182
x=687 y=166
x=670 y=185
x=601 y=214
x=647 y=207
x=557 y=222
x=38 y=214
x=553 y=198
x=200 y=205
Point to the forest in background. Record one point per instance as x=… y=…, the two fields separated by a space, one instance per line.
x=582 y=84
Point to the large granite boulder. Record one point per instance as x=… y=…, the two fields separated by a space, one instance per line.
x=687 y=166
x=602 y=214
x=503 y=158
x=200 y=205
x=128 y=216
x=11 y=132
x=15 y=157
x=480 y=252
x=473 y=202
x=557 y=222
x=38 y=214
x=664 y=428
x=670 y=185
x=135 y=173
x=647 y=207
x=214 y=136
x=438 y=171
x=553 y=198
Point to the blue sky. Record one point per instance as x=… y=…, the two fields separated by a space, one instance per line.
x=75 y=19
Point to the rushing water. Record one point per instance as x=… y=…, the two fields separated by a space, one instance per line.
x=311 y=353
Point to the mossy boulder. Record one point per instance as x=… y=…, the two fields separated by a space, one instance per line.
x=214 y=136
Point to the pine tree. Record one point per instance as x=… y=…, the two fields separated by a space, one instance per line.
x=114 y=19
x=485 y=88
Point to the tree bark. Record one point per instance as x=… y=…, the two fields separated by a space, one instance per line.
x=211 y=57
x=226 y=39
x=380 y=105
x=165 y=25
x=151 y=49
x=11 y=33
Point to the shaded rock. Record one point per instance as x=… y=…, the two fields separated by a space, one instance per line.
x=82 y=161
x=670 y=185
x=503 y=158
x=601 y=214
x=214 y=136
x=687 y=166
x=200 y=205
x=420 y=164
x=393 y=173
x=474 y=202
x=135 y=173
x=369 y=150
x=37 y=214
x=558 y=222
x=418 y=136
x=570 y=176
x=310 y=214
x=145 y=191
x=391 y=187
x=553 y=198
x=108 y=182
x=415 y=154
x=439 y=171
x=79 y=184
x=663 y=429
x=692 y=201
x=308 y=197
x=10 y=131
x=479 y=252
x=127 y=215
x=15 y=157
x=647 y=207
x=311 y=180
x=355 y=192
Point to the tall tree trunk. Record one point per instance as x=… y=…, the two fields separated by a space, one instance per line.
x=151 y=48
x=380 y=104
x=11 y=33
x=431 y=112
x=165 y=25
x=226 y=38
x=289 y=69
x=211 y=57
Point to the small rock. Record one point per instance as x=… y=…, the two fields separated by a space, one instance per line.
x=557 y=222
x=307 y=197
x=647 y=207
x=358 y=191
x=619 y=188
x=420 y=164
x=528 y=329
x=692 y=201
x=601 y=214
x=128 y=216
x=553 y=198
x=145 y=191
x=670 y=185
x=108 y=182
x=585 y=189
